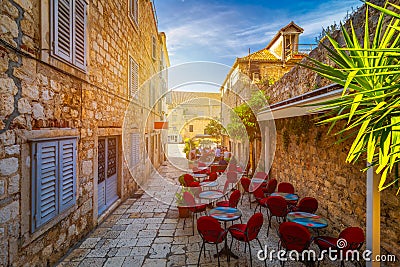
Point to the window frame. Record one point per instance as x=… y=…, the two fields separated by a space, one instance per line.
x=133 y=92
x=134 y=16
x=60 y=209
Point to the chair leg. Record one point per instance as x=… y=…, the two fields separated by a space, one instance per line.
x=251 y=258
x=249 y=198
x=265 y=261
x=230 y=248
x=269 y=224
x=202 y=246
x=216 y=246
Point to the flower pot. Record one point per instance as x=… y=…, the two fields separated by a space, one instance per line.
x=183 y=212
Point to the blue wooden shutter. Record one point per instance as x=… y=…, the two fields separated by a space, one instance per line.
x=67 y=173
x=46 y=175
x=63 y=34
x=79 y=40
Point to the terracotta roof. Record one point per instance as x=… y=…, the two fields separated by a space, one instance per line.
x=260 y=55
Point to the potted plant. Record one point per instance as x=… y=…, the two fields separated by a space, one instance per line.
x=180 y=203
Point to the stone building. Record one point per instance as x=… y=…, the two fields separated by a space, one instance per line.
x=257 y=71
x=68 y=71
x=189 y=113
x=304 y=155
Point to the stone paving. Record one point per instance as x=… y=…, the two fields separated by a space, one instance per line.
x=147 y=232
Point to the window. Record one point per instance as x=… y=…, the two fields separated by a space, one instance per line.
x=135 y=146
x=133 y=11
x=133 y=78
x=69 y=31
x=191 y=128
x=53 y=179
x=154 y=47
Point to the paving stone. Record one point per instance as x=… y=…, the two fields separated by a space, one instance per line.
x=112 y=234
x=77 y=254
x=163 y=240
x=90 y=242
x=126 y=242
x=123 y=252
x=147 y=233
x=112 y=252
x=100 y=252
x=140 y=251
x=166 y=232
x=155 y=263
x=114 y=262
x=160 y=251
x=176 y=260
x=133 y=261
x=153 y=226
x=92 y=262
x=178 y=249
x=168 y=226
x=144 y=242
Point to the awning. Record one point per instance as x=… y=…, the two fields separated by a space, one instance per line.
x=297 y=106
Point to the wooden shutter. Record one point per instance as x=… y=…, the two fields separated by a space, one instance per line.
x=67 y=170
x=133 y=9
x=133 y=78
x=46 y=182
x=79 y=40
x=135 y=145
x=63 y=34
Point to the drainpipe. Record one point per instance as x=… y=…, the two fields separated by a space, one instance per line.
x=373 y=235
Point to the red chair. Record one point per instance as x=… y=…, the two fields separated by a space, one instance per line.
x=277 y=207
x=188 y=179
x=211 y=232
x=245 y=182
x=270 y=188
x=261 y=175
x=195 y=208
x=212 y=177
x=294 y=236
x=354 y=237
x=260 y=198
x=232 y=202
x=307 y=204
x=248 y=232
x=286 y=188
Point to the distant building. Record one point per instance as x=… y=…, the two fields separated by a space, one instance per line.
x=189 y=113
x=256 y=71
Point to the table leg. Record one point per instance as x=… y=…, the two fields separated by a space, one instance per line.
x=225 y=250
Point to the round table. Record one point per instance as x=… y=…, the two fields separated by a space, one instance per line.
x=211 y=194
x=286 y=196
x=209 y=184
x=307 y=219
x=225 y=214
x=256 y=183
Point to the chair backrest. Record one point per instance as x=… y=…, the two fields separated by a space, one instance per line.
x=245 y=182
x=188 y=179
x=271 y=186
x=189 y=199
x=234 y=199
x=221 y=168
x=308 y=204
x=254 y=225
x=259 y=193
x=261 y=175
x=214 y=168
x=210 y=229
x=213 y=176
x=354 y=236
x=277 y=206
x=294 y=236
x=232 y=177
x=286 y=188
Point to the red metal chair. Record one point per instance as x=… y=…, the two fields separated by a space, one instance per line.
x=195 y=208
x=271 y=186
x=294 y=236
x=232 y=202
x=212 y=177
x=260 y=198
x=211 y=232
x=245 y=182
x=261 y=175
x=277 y=207
x=248 y=232
x=354 y=237
x=307 y=204
x=188 y=179
x=286 y=188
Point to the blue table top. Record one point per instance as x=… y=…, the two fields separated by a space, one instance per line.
x=225 y=213
x=211 y=194
x=209 y=184
x=286 y=196
x=307 y=219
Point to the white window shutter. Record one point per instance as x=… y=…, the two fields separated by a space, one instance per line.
x=133 y=78
x=135 y=145
x=63 y=32
x=79 y=40
x=46 y=183
x=133 y=9
x=67 y=170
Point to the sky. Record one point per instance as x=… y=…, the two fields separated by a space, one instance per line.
x=220 y=31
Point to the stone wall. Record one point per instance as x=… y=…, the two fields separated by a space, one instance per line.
x=308 y=158
x=42 y=97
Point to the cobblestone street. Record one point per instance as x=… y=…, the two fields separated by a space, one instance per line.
x=148 y=232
